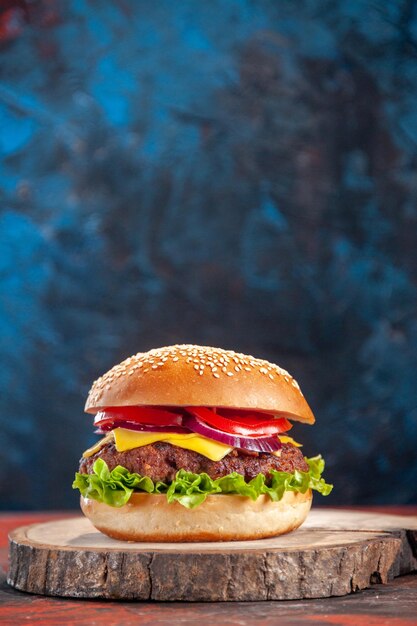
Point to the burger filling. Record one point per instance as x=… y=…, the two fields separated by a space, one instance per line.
x=192 y=452
x=161 y=461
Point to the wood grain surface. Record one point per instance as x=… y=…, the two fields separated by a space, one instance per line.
x=391 y=604
x=334 y=553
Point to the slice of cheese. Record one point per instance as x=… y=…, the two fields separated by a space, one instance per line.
x=97 y=446
x=127 y=439
x=286 y=439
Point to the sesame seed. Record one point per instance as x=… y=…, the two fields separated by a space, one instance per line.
x=216 y=359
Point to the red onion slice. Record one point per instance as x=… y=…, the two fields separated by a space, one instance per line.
x=258 y=444
x=150 y=428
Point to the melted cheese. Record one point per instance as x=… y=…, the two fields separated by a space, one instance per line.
x=128 y=439
x=286 y=439
x=97 y=446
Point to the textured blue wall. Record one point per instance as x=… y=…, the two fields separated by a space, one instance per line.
x=234 y=173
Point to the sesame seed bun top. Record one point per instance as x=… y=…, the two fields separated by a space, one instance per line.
x=188 y=375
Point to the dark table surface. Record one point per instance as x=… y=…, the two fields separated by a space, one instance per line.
x=394 y=604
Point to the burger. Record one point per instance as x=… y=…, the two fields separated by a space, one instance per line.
x=195 y=447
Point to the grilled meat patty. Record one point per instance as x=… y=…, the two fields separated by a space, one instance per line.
x=161 y=461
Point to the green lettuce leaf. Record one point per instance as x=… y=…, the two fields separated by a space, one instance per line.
x=115 y=487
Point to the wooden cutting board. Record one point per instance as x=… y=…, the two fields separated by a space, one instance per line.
x=334 y=553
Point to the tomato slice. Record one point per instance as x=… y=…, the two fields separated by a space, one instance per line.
x=141 y=414
x=252 y=423
x=232 y=421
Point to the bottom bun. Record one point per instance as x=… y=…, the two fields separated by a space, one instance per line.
x=219 y=518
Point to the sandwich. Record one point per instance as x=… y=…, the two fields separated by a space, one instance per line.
x=195 y=446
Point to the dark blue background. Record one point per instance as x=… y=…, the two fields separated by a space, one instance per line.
x=234 y=173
